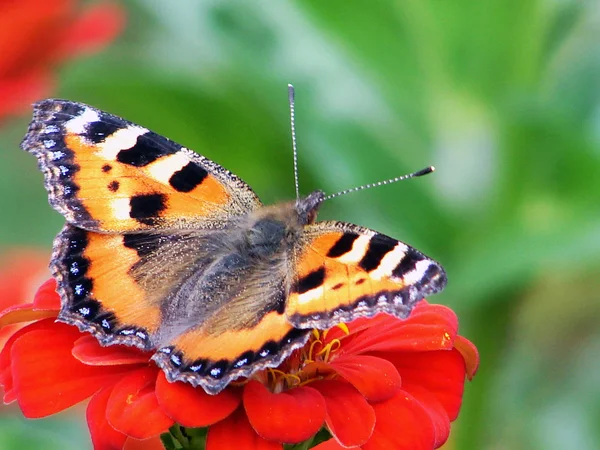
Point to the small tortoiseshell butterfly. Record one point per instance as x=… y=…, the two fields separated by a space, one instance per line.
x=167 y=251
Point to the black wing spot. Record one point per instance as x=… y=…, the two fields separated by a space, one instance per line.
x=82 y=288
x=311 y=281
x=199 y=366
x=113 y=186
x=69 y=109
x=186 y=179
x=343 y=245
x=106 y=320
x=67 y=171
x=146 y=207
x=97 y=132
x=143 y=243
x=245 y=359
x=176 y=359
x=268 y=349
x=219 y=369
x=106 y=168
x=88 y=309
x=145 y=151
x=379 y=246
x=78 y=240
x=408 y=263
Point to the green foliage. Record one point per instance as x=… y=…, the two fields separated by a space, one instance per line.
x=50 y=434
x=502 y=96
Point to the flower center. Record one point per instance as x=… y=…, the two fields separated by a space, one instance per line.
x=308 y=363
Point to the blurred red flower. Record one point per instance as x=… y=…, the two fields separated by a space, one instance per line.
x=21 y=272
x=380 y=383
x=37 y=36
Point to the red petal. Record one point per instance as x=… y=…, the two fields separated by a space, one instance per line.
x=192 y=407
x=46 y=296
x=88 y=350
x=332 y=444
x=469 y=353
x=97 y=26
x=376 y=378
x=429 y=327
x=18 y=93
x=47 y=379
x=235 y=433
x=23 y=313
x=290 y=417
x=350 y=418
x=104 y=436
x=402 y=424
x=437 y=414
x=133 y=408
x=30 y=30
x=442 y=373
x=5 y=334
x=147 y=444
x=46 y=304
x=21 y=270
x=6 y=376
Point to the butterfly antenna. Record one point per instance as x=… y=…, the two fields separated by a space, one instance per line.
x=291 y=95
x=418 y=173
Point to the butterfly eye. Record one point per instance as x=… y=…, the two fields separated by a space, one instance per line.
x=307 y=207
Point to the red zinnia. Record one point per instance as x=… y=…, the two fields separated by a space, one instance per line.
x=380 y=383
x=21 y=272
x=36 y=36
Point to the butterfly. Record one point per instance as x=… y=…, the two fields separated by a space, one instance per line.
x=167 y=251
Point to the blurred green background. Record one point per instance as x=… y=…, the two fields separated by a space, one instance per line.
x=502 y=96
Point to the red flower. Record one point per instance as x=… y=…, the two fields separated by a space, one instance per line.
x=36 y=36
x=21 y=272
x=375 y=384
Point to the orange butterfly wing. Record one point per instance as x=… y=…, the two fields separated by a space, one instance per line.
x=344 y=271
x=106 y=174
x=147 y=221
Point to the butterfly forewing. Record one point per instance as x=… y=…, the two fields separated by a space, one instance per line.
x=106 y=174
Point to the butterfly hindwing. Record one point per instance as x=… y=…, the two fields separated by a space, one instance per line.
x=106 y=174
x=97 y=291
x=170 y=293
x=344 y=271
x=213 y=361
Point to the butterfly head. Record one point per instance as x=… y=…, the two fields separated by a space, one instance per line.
x=308 y=207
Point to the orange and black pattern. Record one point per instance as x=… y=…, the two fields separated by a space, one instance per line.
x=169 y=252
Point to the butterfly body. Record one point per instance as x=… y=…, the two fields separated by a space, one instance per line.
x=242 y=269
x=169 y=252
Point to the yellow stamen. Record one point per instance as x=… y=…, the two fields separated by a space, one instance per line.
x=342 y=326
x=307 y=364
x=292 y=379
x=330 y=348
